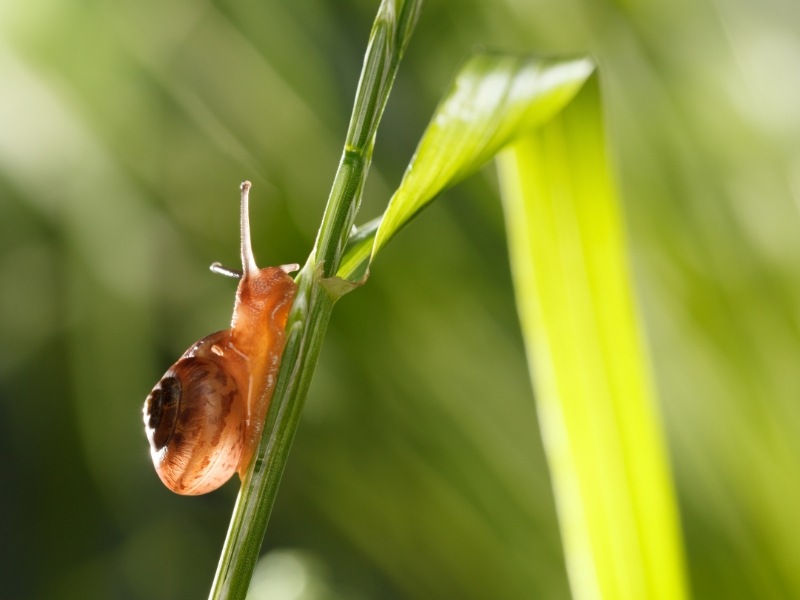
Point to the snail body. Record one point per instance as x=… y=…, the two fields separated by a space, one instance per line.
x=205 y=416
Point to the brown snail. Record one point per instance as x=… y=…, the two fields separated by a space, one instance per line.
x=204 y=418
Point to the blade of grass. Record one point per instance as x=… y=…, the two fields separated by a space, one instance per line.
x=596 y=404
x=610 y=472
x=311 y=311
x=494 y=99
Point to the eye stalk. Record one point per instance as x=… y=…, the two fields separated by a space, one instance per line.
x=205 y=416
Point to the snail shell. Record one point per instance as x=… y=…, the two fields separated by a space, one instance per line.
x=204 y=418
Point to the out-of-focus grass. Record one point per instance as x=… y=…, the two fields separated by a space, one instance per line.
x=124 y=130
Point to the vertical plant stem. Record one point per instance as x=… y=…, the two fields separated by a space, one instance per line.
x=311 y=311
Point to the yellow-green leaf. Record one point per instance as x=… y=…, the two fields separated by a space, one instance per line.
x=494 y=99
x=596 y=403
x=589 y=369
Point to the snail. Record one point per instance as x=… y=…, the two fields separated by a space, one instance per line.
x=204 y=418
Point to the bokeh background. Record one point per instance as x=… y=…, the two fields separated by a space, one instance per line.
x=417 y=472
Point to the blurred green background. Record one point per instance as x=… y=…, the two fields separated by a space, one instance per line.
x=417 y=472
